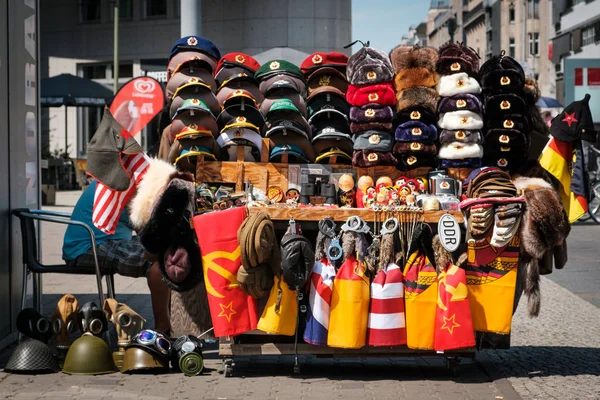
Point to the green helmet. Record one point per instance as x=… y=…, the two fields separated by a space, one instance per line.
x=137 y=359
x=89 y=355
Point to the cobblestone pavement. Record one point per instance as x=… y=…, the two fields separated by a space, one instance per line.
x=554 y=356
x=557 y=355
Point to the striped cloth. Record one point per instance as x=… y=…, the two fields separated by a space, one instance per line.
x=109 y=203
x=387 y=326
x=317 y=320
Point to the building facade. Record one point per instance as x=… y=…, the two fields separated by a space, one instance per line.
x=77 y=38
x=576 y=51
x=521 y=28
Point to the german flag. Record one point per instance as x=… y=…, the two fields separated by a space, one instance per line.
x=564 y=161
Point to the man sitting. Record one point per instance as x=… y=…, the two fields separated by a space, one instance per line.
x=120 y=253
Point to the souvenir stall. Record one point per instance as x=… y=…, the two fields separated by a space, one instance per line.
x=372 y=205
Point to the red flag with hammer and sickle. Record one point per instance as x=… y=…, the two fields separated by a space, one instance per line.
x=453 y=324
x=233 y=312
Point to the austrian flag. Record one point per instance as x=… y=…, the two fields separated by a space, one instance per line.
x=387 y=326
x=109 y=203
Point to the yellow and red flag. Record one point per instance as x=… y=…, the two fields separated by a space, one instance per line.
x=233 y=312
x=420 y=297
x=453 y=324
x=281 y=311
x=349 y=306
x=565 y=162
x=491 y=279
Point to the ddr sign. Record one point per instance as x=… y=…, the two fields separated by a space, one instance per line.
x=449 y=232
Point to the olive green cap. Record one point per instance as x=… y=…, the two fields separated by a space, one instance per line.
x=278 y=67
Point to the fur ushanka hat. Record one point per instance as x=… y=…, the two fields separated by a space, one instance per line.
x=410 y=57
x=455 y=57
x=502 y=74
x=369 y=66
x=417 y=96
x=461 y=136
x=464 y=101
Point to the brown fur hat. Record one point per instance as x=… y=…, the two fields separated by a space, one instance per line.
x=417 y=95
x=410 y=77
x=405 y=57
x=545 y=223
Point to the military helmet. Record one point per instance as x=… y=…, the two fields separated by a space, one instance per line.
x=89 y=355
x=32 y=357
x=138 y=359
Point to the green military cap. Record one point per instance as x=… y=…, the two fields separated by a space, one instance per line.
x=275 y=67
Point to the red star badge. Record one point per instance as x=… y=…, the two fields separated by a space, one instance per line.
x=227 y=311
x=570 y=119
x=448 y=326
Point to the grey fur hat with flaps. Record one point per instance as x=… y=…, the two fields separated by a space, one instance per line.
x=369 y=66
x=544 y=226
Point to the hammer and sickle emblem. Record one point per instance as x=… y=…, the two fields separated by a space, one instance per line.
x=210 y=264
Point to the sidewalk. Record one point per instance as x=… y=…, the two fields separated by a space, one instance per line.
x=554 y=356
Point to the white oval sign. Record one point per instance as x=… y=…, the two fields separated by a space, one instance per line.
x=449 y=232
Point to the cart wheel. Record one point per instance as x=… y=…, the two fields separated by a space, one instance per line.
x=228 y=367
x=453 y=365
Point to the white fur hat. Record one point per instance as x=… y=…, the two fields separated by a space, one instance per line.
x=152 y=184
x=450 y=85
x=458 y=151
x=463 y=120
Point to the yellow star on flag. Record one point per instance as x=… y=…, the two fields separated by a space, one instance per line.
x=227 y=311
x=450 y=327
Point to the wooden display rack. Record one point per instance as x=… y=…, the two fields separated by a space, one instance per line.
x=263 y=175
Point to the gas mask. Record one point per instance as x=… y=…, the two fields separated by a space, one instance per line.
x=186 y=355
x=92 y=319
x=34 y=325
x=126 y=321
x=64 y=320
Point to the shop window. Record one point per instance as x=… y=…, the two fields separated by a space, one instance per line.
x=156 y=8
x=588 y=36
x=511 y=47
x=90 y=11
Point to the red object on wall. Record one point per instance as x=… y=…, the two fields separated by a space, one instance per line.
x=578 y=76
x=137 y=103
x=593 y=76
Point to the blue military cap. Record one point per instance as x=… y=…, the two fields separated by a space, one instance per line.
x=196 y=43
